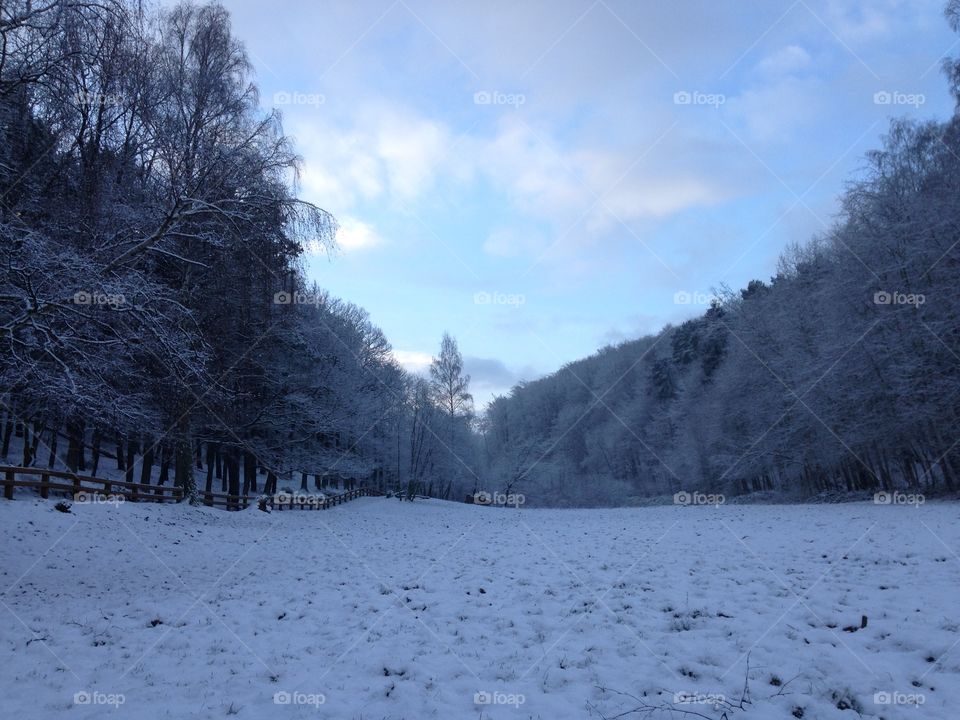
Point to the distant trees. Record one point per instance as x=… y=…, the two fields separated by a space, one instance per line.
x=839 y=374
x=423 y=447
x=449 y=391
x=439 y=456
x=448 y=384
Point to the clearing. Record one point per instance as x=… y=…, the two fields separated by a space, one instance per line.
x=381 y=609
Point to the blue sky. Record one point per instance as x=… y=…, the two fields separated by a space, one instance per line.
x=544 y=178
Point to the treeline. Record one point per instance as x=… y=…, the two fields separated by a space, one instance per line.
x=153 y=307
x=839 y=374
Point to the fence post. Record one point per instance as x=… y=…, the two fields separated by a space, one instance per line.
x=44 y=482
x=8 y=486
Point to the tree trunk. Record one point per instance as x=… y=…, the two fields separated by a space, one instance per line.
x=131 y=458
x=164 y=464
x=121 y=465
x=233 y=470
x=183 y=462
x=74 y=446
x=146 y=469
x=81 y=448
x=37 y=433
x=211 y=460
x=7 y=432
x=249 y=472
x=54 y=436
x=27 y=446
x=223 y=467
x=95 y=452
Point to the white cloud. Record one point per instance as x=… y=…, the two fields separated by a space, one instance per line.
x=413 y=360
x=412 y=151
x=393 y=155
x=388 y=153
x=355 y=234
x=775 y=112
x=559 y=185
x=338 y=169
x=787 y=60
x=653 y=197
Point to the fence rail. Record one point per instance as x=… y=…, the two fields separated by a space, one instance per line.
x=286 y=501
x=84 y=484
x=139 y=492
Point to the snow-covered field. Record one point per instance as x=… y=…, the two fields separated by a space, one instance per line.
x=380 y=609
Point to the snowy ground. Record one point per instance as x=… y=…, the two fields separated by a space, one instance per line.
x=381 y=609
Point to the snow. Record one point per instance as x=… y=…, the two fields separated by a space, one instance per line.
x=387 y=609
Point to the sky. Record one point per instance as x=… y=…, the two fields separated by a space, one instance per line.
x=544 y=178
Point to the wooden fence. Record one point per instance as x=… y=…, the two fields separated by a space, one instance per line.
x=286 y=501
x=81 y=485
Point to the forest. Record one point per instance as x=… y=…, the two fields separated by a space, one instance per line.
x=154 y=308
x=837 y=375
